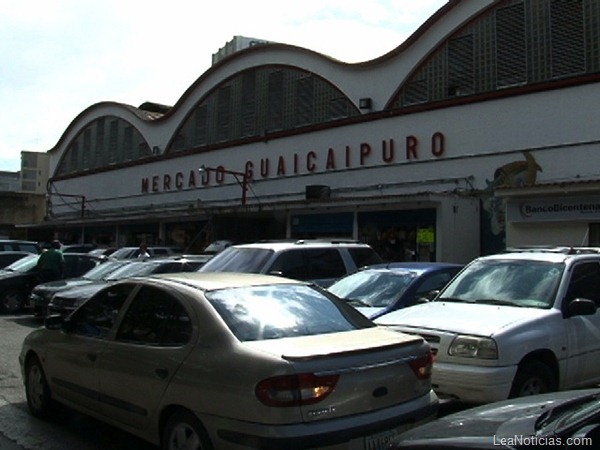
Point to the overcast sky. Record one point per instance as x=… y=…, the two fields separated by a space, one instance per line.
x=61 y=56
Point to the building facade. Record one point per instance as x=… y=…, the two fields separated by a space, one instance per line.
x=455 y=144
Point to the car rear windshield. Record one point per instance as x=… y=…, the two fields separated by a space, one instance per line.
x=278 y=311
x=235 y=259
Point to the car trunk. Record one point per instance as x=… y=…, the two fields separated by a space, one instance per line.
x=367 y=369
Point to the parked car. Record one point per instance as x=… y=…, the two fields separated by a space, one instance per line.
x=66 y=301
x=230 y=361
x=40 y=295
x=320 y=261
x=217 y=246
x=78 y=248
x=378 y=289
x=513 y=324
x=133 y=252
x=11 y=245
x=103 y=251
x=566 y=420
x=9 y=257
x=18 y=279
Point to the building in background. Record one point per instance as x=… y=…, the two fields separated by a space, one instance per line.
x=235 y=45
x=478 y=132
x=23 y=197
x=9 y=181
x=34 y=172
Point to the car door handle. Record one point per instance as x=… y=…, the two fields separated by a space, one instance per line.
x=92 y=357
x=161 y=372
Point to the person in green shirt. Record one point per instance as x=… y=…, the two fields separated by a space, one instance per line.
x=51 y=263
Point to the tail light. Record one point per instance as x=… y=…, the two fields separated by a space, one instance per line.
x=295 y=390
x=422 y=366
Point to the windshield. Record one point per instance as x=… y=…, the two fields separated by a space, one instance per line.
x=102 y=270
x=278 y=311
x=574 y=414
x=377 y=288
x=517 y=283
x=132 y=269
x=236 y=259
x=24 y=264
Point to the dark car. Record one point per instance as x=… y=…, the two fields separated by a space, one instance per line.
x=7 y=258
x=67 y=300
x=18 y=279
x=10 y=245
x=381 y=288
x=40 y=296
x=567 y=420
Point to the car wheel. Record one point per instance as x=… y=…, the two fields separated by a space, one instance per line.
x=12 y=301
x=533 y=377
x=185 y=432
x=36 y=389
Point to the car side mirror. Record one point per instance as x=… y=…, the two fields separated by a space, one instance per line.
x=58 y=322
x=581 y=307
x=53 y=322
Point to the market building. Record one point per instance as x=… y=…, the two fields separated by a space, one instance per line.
x=478 y=132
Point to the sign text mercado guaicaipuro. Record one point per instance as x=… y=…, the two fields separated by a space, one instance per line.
x=297 y=163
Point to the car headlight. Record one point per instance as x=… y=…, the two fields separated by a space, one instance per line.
x=474 y=347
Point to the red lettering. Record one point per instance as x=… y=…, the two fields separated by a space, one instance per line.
x=438 y=144
x=264 y=167
x=205 y=178
x=388 y=153
x=365 y=151
x=179 y=181
x=296 y=163
x=330 y=160
x=412 y=145
x=311 y=165
x=155 y=181
x=192 y=179
x=249 y=170
x=145 y=185
x=167 y=182
x=281 y=166
x=348 y=154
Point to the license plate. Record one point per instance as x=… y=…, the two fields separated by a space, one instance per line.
x=380 y=441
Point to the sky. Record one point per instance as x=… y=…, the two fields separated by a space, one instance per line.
x=58 y=57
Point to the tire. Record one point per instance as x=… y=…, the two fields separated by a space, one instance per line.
x=185 y=432
x=533 y=377
x=12 y=301
x=37 y=391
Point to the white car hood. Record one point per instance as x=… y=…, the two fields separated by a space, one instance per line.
x=477 y=319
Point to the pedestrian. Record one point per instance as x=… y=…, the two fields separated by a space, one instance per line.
x=143 y=251
x=51 y=263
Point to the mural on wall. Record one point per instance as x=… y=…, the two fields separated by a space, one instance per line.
x=493 y=224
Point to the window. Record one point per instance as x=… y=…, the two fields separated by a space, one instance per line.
x=278 y=311
x=325 y=263
x=155 y=318
x=97 y=316
x=585 y=282
x=291 y=264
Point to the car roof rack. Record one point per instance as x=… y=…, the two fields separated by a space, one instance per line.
x=566 y=250
x=311 y=241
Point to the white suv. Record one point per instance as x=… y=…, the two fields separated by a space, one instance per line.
x=319 y=261
x=513 y=324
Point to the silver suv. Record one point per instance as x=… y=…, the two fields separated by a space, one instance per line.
x=319 y=261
